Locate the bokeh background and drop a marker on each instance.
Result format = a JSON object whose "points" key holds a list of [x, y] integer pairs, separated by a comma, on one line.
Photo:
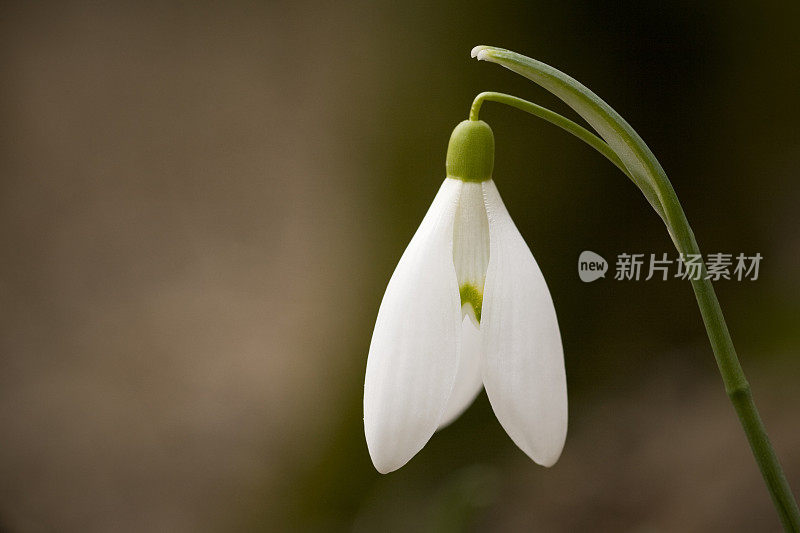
{"points": [[201, 205]]}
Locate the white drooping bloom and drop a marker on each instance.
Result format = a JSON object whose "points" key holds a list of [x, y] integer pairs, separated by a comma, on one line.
{"points": [[467, 307]]}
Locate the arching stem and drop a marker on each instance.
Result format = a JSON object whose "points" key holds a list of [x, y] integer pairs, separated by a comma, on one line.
{"points": [[553, 118], [634, 158]]}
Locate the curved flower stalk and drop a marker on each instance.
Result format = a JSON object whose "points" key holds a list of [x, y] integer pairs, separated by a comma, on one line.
{"points": [[467, 307], [639, 164]]}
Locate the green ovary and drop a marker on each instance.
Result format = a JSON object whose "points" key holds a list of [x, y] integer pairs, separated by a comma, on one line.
{"points": [[473, 296]]}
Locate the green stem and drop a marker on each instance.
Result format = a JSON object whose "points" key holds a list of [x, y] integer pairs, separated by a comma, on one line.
{"points": [[639, 164], [553, 118], [736, 385]]}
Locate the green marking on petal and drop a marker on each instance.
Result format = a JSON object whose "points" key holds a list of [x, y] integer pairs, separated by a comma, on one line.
{"points": [[473, 296]]}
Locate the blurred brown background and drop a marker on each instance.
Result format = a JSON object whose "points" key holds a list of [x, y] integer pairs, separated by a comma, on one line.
{"points": [[201, 205]]}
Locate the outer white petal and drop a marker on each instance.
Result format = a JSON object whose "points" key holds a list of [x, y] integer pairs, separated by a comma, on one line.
{"points": [[469, 380], [523, 369], [413, 356]]}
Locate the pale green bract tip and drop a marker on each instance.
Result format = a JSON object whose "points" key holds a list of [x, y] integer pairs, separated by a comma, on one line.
{"points": [[477, 50]]}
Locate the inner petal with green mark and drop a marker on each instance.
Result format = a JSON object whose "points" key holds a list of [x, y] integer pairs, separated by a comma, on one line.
{"points": [[471, 249], [471, 301]]}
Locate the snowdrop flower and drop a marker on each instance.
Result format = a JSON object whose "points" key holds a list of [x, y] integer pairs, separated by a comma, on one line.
{"points": [[467, 307]]}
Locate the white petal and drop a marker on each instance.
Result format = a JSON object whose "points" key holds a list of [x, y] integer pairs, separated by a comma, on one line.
{"points": [[413, 356], [471, 237], [469, 380], [523, 369]]}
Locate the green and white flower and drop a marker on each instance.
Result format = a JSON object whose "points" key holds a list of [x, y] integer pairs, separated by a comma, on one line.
{"points": [[467, 307]]}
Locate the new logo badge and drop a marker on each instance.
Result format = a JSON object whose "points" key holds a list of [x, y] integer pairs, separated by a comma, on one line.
{"points": [[591, 266]]}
